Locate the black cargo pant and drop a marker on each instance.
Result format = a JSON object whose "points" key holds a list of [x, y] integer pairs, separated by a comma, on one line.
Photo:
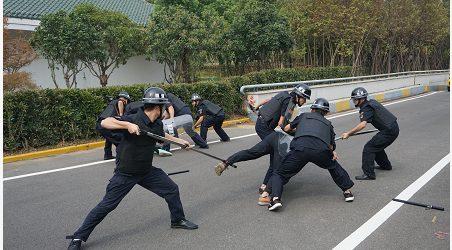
{"points": [[269, 145], [374, 150], [297, 158]]}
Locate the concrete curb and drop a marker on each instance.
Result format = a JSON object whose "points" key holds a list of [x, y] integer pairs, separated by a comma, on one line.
{"points": [[81, 147]]}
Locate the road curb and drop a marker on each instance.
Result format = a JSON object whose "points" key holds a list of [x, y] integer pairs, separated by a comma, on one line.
{"points": [[82, 147]]}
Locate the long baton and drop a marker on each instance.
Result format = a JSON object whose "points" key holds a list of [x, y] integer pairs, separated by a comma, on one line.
{"points": [[420, 204], [179, 172], [181, 145], [359, 133]]}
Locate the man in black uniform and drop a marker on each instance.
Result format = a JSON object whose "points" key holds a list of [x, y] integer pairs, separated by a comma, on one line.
{"points": [[114, 108], [272, 114], [134, 166], [214, 117], [177, 108], [132, 108], [313, 142], [371, 111], [276, 143]]}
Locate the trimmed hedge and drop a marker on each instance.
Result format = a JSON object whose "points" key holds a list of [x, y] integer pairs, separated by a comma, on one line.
{"points": [[49, 116]]}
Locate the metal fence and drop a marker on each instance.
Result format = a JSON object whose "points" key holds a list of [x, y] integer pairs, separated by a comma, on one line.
{"points": [[330, 81]]}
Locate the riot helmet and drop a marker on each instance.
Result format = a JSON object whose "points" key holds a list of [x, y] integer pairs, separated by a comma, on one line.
{"points": [[155, 95], [125, 95], [321, 103], [302, 90], [359, 93], [195, 97]]}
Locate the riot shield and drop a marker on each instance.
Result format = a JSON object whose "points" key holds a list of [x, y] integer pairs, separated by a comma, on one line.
{"points": [[170, 126], [291, 113], [284, 143]]}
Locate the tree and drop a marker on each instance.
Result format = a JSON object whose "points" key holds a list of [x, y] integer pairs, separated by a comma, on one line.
{"points": [[17, 53], [259, 34], [118, 38], [64, 40], [180, 40]]}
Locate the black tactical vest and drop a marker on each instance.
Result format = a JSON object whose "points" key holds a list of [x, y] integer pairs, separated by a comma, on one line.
{"points": [[111, 110], [271, 111], [137, 151], [314, 124], [383, 119], [133, 107], [211, 109], [177, 103]]}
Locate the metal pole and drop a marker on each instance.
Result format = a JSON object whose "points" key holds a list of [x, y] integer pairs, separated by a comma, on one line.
{"points": [[359, 133], [420, 204], [181, 145]]}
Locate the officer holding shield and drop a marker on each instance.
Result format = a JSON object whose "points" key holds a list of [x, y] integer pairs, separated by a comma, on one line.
{"points": [[277, 111]]}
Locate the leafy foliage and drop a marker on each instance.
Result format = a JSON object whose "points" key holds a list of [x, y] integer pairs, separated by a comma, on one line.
{"points": [[71, 114], [181, 41]]}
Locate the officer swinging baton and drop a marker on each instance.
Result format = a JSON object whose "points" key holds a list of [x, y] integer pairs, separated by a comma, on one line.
{"points": [[420, 204], [359, 133], [181, 145]]}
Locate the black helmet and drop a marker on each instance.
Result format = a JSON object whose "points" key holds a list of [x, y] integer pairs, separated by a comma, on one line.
{"points": [[125, 95], [302, 90], [195, 97], [358, 93], [155, 95], [321, 103]]}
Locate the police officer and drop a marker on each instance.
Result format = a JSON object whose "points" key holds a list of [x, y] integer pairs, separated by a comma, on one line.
{"points": [[313, 142], [276, 143], [114, 108], [371, 111], [272, 114], [210, 114], [134, 166], [132, 108], [177, 108]]}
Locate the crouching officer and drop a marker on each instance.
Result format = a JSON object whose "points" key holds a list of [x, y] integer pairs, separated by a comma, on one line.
{"points": [[277, 144], [273, 113], [313, 142], [214, 117], [177, 108], [134, 166], [371, 111], [114, 108]]}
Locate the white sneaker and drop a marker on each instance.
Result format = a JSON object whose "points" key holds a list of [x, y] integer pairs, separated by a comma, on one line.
{"points": [[164, 153]]}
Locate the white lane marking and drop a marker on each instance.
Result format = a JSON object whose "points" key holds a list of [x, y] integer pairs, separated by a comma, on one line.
{"points": [[56, 170], [95, 163], [379, 218], [239, 137]]}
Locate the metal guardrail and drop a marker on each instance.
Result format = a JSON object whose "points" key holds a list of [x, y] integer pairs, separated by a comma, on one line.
{"points": [[346, 79]]}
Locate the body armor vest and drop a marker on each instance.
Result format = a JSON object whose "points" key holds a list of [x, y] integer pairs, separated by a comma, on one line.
{"points": [[314, 124], [110, 110], [177, 103], [211, 109], [137, 151], [383, 119], [271, 111], [133, 107]]}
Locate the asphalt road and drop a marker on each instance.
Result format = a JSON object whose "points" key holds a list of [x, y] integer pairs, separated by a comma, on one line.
{"points": [[40, 210]]}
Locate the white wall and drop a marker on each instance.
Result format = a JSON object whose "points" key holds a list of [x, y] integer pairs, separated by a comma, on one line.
{"points": [[137, 70]]}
